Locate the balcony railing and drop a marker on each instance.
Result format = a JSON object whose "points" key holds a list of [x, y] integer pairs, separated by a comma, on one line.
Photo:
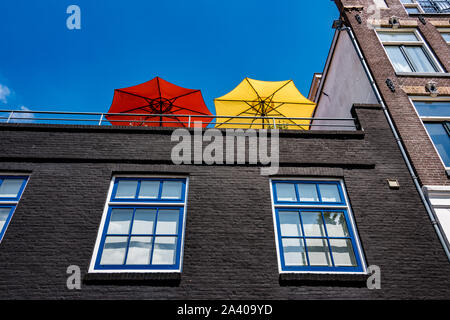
{"points": [[435, 6], [100, 119]]}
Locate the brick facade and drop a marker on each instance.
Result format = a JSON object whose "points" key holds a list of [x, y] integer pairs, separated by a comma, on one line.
{"points": [[229, 248], [420, 149]]}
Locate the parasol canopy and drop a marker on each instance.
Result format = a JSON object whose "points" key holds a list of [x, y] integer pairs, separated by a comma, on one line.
{"points": [[255, 98], [159, 104]]}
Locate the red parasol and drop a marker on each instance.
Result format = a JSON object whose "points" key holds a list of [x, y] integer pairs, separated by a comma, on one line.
{"points": [[157, 98]]}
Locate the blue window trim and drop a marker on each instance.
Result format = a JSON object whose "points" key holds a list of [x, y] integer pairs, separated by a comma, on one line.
{"points": [[159, 199], [25, 179], [8, 219], [179, 236], [298, 202], [318, 206], [333, 268]]}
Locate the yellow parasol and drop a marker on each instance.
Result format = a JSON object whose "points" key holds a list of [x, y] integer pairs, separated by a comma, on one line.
{"points": [[271, 99]]}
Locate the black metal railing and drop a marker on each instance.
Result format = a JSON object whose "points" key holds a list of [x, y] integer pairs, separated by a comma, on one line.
{"points": [[133, 119]]}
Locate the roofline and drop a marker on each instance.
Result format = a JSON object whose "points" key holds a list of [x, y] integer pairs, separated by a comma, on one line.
{"points": [[326, 68]]}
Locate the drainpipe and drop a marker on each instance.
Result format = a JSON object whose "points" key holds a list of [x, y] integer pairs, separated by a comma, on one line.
{"points": [[430, 212]]}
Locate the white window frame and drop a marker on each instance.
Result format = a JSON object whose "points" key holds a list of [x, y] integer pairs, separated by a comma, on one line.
{"points": [[431, 119], [346, 207], [13, 203], [420, 42], [412, 5], [416, 4], [105, 213]]}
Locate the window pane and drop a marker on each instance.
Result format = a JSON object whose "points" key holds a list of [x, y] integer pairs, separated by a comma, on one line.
{"points": [[419, 59], [318, 252], [446, 36], [294, 252], [165, 250], [172, 190], [149, 190], [433, 108], [139, 250], [329, 193], [4, 214], [336, 224], [313, 224], [308, 192], [144, 220], [398, 60], [441, 140], [290, 223], [119, 222], [10, 188], [126, 189], [343, 254], [397, 36], [286, 192], [114, 250], [412, 10], [167, 221]]}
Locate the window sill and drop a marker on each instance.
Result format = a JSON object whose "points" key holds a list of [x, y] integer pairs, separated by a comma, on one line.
{"points": [[171, 279], [321, 279], [424, 74], [429, 14]]}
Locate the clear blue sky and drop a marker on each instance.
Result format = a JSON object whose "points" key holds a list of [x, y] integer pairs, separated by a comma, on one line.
{"points": [[199, 44]]}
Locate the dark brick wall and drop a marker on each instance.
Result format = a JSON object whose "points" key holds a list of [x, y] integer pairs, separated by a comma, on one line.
{"points": [[420, 149], [229, 246]]}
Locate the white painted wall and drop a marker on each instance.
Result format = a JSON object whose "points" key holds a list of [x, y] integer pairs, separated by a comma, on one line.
{"points": [[345, 83], [439, 199]]}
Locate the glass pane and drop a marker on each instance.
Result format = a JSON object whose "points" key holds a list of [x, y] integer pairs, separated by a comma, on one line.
{"points": [[336, 224], [294, 252], [165, 250], [114, 250], [441, 140], [313, 224], [419, 59], [397, 59], [433, 108], [446, 36], [149, 190], [290, 223], [412, 10], [139, 250], [10, 188], [343, 254], [329, 193], [167, 221], [406, 1], [119, 222], [397, 36], [308, 192], [318, 252], [172, 190], [4, 214], [144, 220], [285, 192], [126, 189]]}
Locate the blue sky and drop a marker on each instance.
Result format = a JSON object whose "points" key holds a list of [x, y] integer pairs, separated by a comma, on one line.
{"points": [[199, 44]]}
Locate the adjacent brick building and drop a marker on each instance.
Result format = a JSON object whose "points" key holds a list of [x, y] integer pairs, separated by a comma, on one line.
{"points": [[230, 243], [396, 53]]}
